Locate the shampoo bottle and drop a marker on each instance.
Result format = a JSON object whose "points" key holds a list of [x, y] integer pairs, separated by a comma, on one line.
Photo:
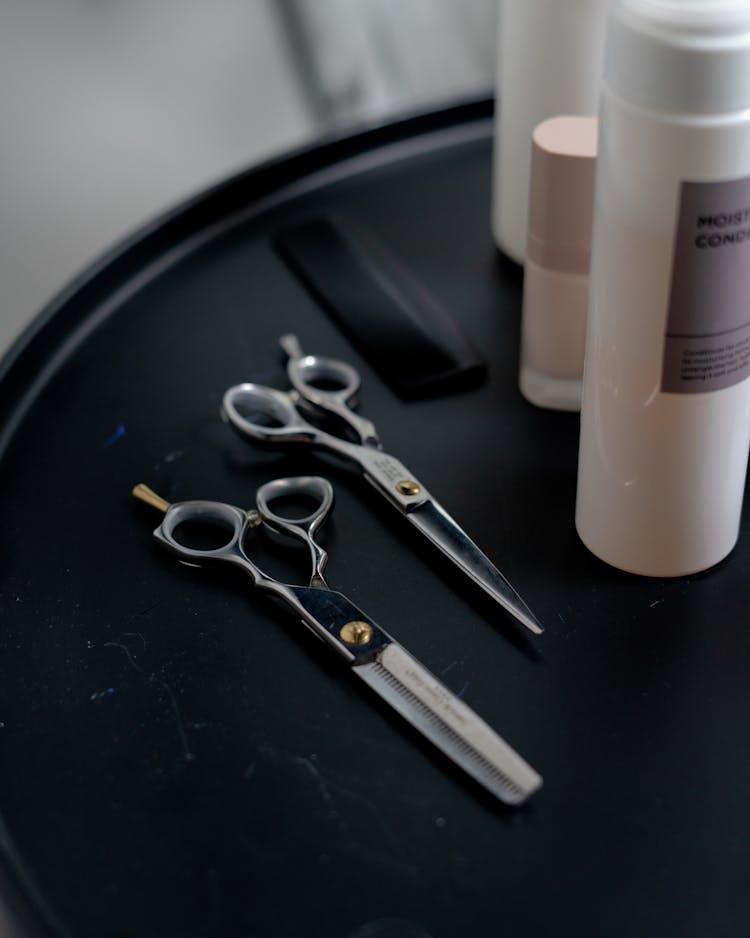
{"points": [[665, 423], [549, 61]]}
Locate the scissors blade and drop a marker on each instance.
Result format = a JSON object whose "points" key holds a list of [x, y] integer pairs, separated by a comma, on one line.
{"points": [[449, 723], [438, 526]]}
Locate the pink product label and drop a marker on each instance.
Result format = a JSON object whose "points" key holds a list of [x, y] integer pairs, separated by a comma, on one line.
{"points": [[707, 343]]}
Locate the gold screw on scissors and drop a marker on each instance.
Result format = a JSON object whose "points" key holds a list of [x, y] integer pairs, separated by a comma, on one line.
{"points": [[356, 633], [408, 487]]}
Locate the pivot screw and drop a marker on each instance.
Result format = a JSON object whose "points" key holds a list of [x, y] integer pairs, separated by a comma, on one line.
{"points": [[408, 487], [356, 633]]}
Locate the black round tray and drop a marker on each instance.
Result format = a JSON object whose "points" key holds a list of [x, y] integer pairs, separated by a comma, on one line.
{"points": [[180, 758]]}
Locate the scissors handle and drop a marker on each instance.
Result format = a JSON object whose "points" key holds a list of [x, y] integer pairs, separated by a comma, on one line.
{"points": [[270, 417], [223, 519], [328, 614], [234, 522], [302, 528], [328, 385], [266, 415]]}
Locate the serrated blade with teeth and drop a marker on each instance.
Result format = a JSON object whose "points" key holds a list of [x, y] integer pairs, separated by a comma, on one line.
{"points": [[449, 723]]}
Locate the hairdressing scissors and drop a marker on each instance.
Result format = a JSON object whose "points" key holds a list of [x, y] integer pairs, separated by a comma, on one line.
{"points": [[327, 387], [382, 663]]}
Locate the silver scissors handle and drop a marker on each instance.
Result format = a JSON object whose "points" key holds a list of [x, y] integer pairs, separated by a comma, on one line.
{"points": [[328, 385], [302, 528], [328, 614], [268, 416], [232, 521], [271, 417]]}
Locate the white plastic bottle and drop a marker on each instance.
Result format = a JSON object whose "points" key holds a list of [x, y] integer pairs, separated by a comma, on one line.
{"points": [[549, 62], [665, 424]]}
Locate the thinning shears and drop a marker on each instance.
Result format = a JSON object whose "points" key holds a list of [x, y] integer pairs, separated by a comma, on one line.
{"points": [[382, 663], [327, 387]]}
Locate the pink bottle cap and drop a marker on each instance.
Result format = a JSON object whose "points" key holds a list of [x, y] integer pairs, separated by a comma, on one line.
{"points": [[561, 194]]}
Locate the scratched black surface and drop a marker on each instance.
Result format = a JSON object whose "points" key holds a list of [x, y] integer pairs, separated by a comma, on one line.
{"points": [[180, 758]]}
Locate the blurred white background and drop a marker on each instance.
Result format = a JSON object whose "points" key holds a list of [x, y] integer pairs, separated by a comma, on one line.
{"points": [[112, 110]]}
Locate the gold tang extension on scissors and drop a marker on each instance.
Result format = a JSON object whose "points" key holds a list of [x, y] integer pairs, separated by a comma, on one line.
{"points": [[372, 654], [273, 417]]}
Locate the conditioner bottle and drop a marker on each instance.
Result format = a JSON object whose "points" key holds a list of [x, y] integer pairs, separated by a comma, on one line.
{"points": [[665, 423]]}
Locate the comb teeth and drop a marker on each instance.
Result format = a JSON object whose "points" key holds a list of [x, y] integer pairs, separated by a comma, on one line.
{"points": [[452, 726]]}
